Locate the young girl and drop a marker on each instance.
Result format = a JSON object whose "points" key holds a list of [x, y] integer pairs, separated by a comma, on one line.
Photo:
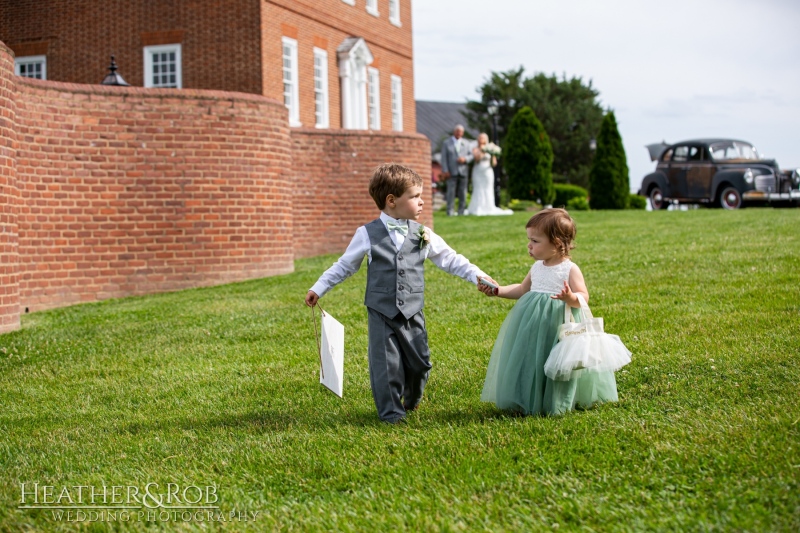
{"points": [[515, 378]]}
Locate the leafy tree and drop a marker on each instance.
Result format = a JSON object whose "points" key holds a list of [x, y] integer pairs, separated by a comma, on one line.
{"points": [[609, 187], [568, 108], [529, 158]]}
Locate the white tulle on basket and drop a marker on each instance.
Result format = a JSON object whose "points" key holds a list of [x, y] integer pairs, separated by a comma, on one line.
{"points": [[584, 347]]}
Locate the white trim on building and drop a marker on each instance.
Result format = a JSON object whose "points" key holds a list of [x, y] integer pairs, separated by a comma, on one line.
{"points": [[162, 66], [372, 7], [321, 98], [354, 57], [31, 67], [394, 12], [374, 98], [397, 103], [291, 84]]}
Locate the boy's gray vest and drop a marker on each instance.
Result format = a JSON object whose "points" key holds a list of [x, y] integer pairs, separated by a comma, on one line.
{"points": [[395, 278]]}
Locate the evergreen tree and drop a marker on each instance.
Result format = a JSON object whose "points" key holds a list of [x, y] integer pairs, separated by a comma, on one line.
{"points": [[569, 108], [609, 186], [529, 159]]}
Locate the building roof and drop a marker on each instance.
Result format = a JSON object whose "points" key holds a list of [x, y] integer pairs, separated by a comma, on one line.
{"points": [[435, 120]]}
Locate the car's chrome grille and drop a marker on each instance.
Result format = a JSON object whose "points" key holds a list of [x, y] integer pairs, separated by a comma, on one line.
{"points": [[766, 183]]}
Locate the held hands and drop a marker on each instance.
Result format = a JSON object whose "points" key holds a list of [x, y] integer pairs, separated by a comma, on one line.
{"points": [[311, 298], [488, 290]]}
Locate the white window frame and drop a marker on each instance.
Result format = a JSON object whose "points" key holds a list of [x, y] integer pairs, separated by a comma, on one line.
{"points": [[374, 98], [394, 12], [353, 63], [397, 103], [372, 7], [294, 97], [148, 64], [351, 2], [322, 120], [31, 60]]}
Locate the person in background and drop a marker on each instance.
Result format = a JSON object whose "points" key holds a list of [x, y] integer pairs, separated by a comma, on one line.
{"points": [[456, 155]]}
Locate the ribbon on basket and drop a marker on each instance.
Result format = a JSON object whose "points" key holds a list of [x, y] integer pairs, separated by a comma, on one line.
{"points": [[584, 347]]}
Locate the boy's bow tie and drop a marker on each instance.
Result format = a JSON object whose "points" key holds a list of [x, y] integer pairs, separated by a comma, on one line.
{"points": [[400, 228]]}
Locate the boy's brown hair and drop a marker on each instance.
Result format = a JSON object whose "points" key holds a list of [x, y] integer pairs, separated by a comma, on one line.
{"points": [[391, 178], [558, 226]]}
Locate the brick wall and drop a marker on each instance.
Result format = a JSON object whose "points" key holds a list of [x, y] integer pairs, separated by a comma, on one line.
{"points": [[130, 191], [9, 197], [231, 46], [220, 40], [115, 191], [331, 170]]}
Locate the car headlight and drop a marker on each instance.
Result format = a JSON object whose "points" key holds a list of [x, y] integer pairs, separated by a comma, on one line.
{"points": [[748, 176]]}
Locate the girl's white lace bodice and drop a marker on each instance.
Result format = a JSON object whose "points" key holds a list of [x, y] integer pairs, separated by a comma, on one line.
{"points": [[549, 279]]}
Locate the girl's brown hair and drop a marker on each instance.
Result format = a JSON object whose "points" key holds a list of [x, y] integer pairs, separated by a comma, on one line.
{"points": [[558, 226]]}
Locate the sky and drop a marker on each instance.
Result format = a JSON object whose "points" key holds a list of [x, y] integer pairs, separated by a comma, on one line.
{"points": [[670, 71]]}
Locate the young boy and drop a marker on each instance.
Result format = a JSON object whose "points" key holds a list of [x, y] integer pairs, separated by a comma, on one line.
{"points": [[396, 247]]}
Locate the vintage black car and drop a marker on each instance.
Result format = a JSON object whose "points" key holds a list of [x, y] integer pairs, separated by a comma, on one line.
{"points": [[716, 172]]}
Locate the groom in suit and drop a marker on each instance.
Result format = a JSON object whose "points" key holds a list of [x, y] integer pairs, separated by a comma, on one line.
{"points": [[456, 154]]}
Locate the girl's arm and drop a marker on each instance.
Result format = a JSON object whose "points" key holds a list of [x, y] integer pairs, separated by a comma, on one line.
{"points": [[512, 292], [576, 285]]}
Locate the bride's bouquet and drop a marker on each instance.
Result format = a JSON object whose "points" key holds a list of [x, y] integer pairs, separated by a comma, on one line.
{"points": [[491, 149]]}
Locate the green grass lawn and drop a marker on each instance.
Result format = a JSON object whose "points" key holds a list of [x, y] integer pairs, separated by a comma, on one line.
{"points": [[219, 386]]}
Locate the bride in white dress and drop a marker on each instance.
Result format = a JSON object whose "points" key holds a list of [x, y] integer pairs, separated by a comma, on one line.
{"points": [[482, 201]]}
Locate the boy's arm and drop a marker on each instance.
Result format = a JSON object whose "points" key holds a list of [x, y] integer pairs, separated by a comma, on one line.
{"points": [[451, 262], [512, 292], [346, 266]]}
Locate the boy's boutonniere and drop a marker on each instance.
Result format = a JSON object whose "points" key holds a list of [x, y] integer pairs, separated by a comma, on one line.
{"points": [[424, 236]]}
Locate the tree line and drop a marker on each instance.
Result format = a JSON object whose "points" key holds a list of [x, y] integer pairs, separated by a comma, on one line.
{"points": [[553, 131]]}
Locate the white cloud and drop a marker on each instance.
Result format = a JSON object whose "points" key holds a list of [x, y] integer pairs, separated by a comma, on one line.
{"points": [[677, 70]]}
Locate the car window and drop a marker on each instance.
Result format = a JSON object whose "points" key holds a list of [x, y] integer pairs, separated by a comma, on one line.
{"points": [[733, 150], [681, 153], [667, 155], [695, 153]]}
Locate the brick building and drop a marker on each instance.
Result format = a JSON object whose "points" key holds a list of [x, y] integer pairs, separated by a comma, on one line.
{"points": [[334, 63], [113, 191]]}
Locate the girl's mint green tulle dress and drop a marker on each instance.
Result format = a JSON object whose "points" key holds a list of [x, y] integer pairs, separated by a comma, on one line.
{"points": [[515, 378]]}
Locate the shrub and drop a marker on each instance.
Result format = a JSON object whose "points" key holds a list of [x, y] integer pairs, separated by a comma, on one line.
{"points": [[521, 205], [637, 202], [579, 203], [566, 192], [608, 180], [528, 159]]}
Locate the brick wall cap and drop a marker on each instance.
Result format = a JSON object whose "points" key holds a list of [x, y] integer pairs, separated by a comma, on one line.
{"points": [[6, 50], [111, 90]]}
